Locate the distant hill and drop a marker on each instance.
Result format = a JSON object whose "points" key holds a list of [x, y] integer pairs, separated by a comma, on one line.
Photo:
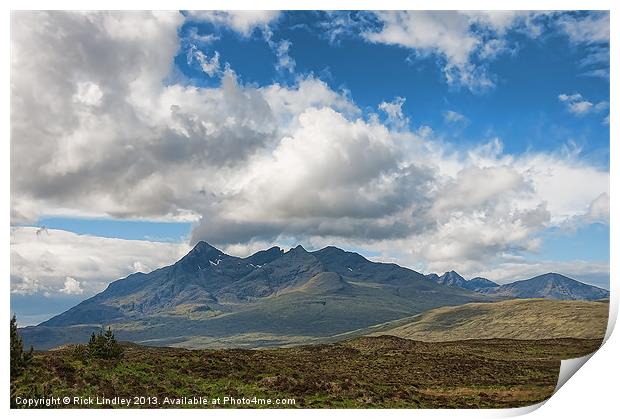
{"points": [[272, 298], [512, 319], [550, 285]]}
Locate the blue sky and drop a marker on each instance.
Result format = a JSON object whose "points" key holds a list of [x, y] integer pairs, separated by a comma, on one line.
{"points": [[522, 109], [511, 109]]}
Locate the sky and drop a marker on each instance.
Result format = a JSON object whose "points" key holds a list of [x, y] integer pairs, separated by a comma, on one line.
{"points": [[473, 141]]}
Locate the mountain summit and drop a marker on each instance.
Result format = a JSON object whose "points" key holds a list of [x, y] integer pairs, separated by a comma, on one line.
{"points": [[453, 279]]}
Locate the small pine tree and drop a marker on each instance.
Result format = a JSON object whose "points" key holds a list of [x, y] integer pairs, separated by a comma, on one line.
{"points": [[112, 348], [104, 345], [19, 359]]}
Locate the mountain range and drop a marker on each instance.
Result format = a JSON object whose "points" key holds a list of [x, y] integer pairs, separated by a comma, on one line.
{"points": [[276, 298], [453, 279]]}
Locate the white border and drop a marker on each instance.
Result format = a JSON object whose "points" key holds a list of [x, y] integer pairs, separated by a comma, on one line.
{"points": [[593, 392]]}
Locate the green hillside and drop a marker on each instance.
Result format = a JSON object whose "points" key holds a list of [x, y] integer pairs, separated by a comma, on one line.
{"points": [[512, 319]]}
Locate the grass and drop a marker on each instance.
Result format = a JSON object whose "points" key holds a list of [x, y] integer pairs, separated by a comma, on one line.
{"points": [[367, 372], [512, 319]]}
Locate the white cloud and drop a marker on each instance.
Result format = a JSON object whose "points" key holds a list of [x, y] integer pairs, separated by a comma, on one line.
{"points": [[491, 49], [592, 28], [474, 187], [72, 287], [256, 164], [578, 105], [69, 263], [241, 21], [140, 267], [24, 285], [456, 37], [446, 34], [201, 38], [285, 61], [287, 103], [599, 209], [466, 41], [88, 93], [580, 108], [210, 66], [394, 112], [453, 116]]}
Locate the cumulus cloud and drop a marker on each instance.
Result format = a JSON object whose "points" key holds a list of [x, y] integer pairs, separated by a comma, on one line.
{"points": [[102, 135], [67, 263], [242, 21], [71, 287], [578, 105], [446, 34], [474, 187], [343, 178]]}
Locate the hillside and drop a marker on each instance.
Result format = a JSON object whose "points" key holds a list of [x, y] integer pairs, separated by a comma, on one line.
{"points": [[512, 319], [379, 372]]}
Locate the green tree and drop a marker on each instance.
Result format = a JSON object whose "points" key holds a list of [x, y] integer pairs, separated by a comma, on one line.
{"points": [[19, 359], [104, 345]]}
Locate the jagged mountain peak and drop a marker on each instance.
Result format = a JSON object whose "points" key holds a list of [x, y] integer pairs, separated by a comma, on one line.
{"points": [[201, 256], [432, 277], [203, 247], [452, 274], [451, 278], [265, 256], [298, 249], [454, 279]]}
